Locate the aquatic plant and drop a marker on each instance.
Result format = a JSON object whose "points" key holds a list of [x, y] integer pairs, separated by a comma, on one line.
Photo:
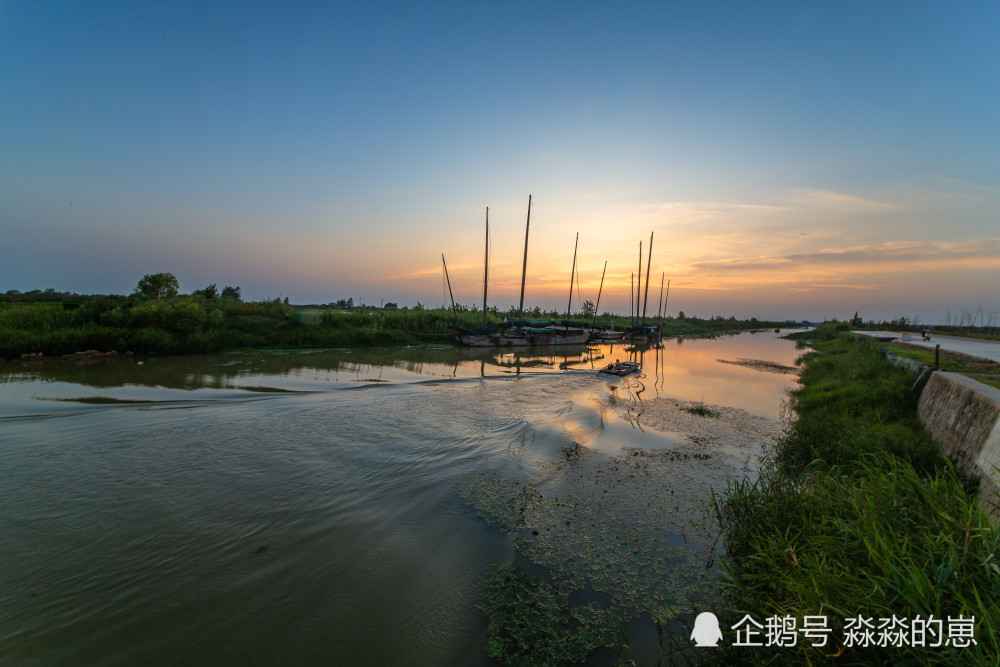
{"points": [[701, 410], [532, 622], [629, 534]]}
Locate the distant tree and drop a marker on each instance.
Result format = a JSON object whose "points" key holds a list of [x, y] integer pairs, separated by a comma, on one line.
{"points": [[157, 285], [588, 308], [680, 315], [231, 292], [286, 300], [391, 305], [209, 292]]}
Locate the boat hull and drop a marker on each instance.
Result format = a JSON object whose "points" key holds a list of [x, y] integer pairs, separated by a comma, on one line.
{"points": [[523, 340], [475, 340]]}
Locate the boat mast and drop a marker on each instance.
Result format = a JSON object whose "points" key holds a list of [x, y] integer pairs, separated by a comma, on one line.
{"points": [[659, 302], [524, 265], [665, 299], [649, 260], [631, 295], [638, 287], [486, 267], [571, 276], [453, 309], [599, 290]]}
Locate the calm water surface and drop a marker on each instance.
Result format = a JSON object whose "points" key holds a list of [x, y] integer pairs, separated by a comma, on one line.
{"points": [[297, 507]]}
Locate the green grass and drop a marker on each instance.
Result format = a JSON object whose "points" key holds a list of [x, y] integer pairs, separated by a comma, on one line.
{"points": [[702, 411], [198, 324], [983, 370], [856, 512]]}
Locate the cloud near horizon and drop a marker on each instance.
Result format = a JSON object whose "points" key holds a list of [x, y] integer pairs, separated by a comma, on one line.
{"points": [[884, 258]]}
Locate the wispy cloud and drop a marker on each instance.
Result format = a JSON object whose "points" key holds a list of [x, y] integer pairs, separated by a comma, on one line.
{"points": [[885, 257], [838, 201]]}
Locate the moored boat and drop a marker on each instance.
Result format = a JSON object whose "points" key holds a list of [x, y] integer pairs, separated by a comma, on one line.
{"points": [[520, 333], [622, 368]]}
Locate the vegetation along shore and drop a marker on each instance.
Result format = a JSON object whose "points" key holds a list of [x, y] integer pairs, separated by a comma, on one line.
{"points": [[155, 319], [856, 513]]}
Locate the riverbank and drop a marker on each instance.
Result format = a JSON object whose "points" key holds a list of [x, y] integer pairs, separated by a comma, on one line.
{"points": [[858, 522], [195, 324]]}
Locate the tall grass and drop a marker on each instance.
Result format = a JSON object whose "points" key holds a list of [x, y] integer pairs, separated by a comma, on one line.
{"points": [[856, 512]]}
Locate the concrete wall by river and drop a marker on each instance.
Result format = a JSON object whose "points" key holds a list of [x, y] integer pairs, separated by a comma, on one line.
{"points": [[963, 416]]}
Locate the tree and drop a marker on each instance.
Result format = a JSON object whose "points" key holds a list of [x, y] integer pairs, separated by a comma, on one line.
{"points": [[588, 307], [157, 286], [209, 292], [231, 292]]}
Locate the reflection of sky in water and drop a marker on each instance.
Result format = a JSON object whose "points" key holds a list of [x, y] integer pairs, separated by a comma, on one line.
{"points": [[684, 369], [620, 433], [227, 497]]}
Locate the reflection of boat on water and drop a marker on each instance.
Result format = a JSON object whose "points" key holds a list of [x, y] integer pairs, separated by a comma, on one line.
{"points": [[622, 368]]}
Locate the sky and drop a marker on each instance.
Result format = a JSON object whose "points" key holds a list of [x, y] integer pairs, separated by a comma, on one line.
{"points": [[793, 160]]}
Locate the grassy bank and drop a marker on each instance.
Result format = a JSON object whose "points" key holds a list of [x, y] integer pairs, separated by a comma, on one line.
{"points": [[197, 323], [983, 370], [856, 513]]}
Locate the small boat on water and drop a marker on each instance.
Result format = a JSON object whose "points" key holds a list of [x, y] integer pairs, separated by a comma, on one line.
{"points": [[622, 368]]}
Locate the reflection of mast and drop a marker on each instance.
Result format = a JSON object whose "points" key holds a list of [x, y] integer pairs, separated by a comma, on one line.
{"points": [[449, 288], [486, 267], [649, 260], [524, 265]]}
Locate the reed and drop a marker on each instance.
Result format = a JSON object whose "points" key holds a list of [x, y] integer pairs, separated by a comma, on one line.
{"points": [[856, 512]]}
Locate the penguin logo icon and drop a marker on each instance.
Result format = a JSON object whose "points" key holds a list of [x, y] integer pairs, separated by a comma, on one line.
{"points": [[706, 630]]}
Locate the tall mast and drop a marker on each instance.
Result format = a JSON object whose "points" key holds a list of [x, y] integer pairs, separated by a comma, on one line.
{"points": [[453, 309], [659, 302], [665, 299], [599, 290], [524, 265], [631, 296], [649, 260], [638, 286], [486, 267], [571, 276]]}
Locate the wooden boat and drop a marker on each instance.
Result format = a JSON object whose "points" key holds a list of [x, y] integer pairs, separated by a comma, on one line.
{"points": [[607, 336], [519, 333], [622, 368]]}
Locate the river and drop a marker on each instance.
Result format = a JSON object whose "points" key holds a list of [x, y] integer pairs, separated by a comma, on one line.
{"points": [[306, 507]]}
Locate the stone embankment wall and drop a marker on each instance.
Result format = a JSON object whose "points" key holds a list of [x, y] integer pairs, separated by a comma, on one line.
{"points": [[963, 416]]}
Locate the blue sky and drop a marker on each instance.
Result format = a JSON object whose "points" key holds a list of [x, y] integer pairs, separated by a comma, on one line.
{"points": [[796, 160]]}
